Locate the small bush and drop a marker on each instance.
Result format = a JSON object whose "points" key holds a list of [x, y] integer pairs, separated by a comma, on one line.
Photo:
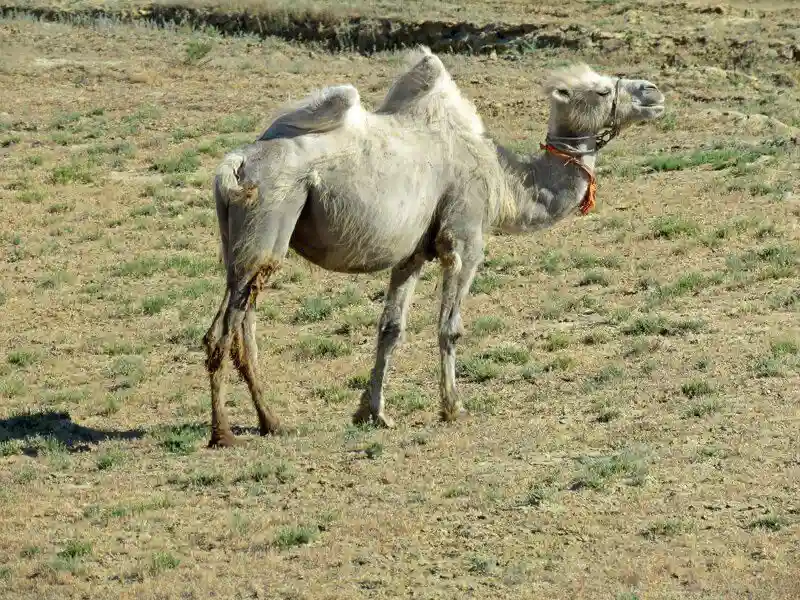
{"points": [[163, 561], [322, 347], [289, 537]]}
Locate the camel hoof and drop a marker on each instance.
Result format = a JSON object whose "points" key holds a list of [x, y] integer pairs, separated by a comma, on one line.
{"points": [[224, 440], [363, 416], [384, 421], [454, 415], [275, 429]]}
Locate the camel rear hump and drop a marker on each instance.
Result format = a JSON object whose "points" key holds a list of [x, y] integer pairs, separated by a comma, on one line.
{"points": [[322, 111]]}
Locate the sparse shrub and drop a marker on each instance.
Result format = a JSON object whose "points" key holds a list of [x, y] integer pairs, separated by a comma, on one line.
{"points": [[21, 358], [110, 459], [607, 374], [669, 228], [665, 528], [770, 522], [408, 401], [358, 382], [596, 337], [477, 369], [129, 370], [180, 439], [163, 561], [333, 394], [597, 471], [456, 492], [30, 551], [373, 450], [313, 309], [196, 50], [562, 362], [696, 388], [557, 341], [237, 123], [298, 535], [482, 565], [541, 491], [75, 549], [11, 447], [72, 173], [659, 325], [187, 162], [488, 324], [594, 277], [704, 408], [154, 304], [485, 283], [321, 347], [507, 354], [607, 414], [586, 260], [482, 404], [356, 319]]}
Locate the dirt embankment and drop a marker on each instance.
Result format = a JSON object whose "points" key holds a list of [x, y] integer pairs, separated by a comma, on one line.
{"points": [[368, 34]]}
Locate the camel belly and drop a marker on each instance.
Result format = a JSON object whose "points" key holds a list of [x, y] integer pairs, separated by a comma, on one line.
{"points": [[358, 239]]}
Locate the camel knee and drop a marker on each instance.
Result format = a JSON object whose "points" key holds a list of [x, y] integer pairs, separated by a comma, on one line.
{"points": [[215, 356], [238, 350], [449, 257], [448, 338], [390, 327], [450, 331]]}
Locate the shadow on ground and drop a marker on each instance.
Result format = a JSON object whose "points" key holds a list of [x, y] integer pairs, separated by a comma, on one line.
{"points": [[36, 430]]}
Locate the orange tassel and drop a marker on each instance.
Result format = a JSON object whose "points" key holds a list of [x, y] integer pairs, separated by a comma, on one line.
{"points": [[588, 201]]}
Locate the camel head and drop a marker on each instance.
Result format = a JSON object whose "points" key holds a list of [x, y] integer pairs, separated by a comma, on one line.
{"points": [[584, 102]]}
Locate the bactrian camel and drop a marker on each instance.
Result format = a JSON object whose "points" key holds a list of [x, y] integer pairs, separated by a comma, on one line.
{"points": [[418, 179]]}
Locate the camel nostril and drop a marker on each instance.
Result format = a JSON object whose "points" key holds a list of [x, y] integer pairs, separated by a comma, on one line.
{"points": [[648, 87]]}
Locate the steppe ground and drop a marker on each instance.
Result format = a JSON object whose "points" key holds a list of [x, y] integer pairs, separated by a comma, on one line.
{"points": [[632, 375]]}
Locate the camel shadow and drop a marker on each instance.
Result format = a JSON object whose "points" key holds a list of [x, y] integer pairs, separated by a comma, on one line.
{"points": [[37, 430]]}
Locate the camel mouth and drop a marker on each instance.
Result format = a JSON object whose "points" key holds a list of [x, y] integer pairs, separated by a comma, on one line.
{"points": [[656, 109]]}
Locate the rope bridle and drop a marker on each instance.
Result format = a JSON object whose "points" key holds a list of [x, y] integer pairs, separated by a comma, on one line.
{"points": [[562, 146]]}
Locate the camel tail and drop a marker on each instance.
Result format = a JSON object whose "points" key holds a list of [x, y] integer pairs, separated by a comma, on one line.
{"points": [[227, 189]]}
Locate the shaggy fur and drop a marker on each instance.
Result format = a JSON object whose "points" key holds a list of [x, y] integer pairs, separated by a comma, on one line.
{"points": [[418, 179]]}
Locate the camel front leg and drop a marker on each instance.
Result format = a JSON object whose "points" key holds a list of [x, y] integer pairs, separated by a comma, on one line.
{"points": [[390, 332], [459, 265]]}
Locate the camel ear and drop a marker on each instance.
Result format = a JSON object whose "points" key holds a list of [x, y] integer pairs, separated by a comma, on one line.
{"points": [[561, 95]]}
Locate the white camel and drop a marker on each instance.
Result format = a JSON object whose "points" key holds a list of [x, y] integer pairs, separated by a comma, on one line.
{"points": [[358, 191]]}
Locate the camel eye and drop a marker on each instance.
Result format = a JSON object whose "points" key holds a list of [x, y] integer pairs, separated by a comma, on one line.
{"points": [[603, 93]]}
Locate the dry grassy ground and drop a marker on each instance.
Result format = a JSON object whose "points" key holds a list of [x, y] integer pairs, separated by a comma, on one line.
{"points": [[633, 375]]}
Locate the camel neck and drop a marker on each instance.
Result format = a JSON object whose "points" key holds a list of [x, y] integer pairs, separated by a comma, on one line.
{"points": [[547, 187], [580, 145]]}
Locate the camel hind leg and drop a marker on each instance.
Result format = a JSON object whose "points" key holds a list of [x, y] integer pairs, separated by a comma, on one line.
{"points": [[232, 333], [218, 341], [245, 355]]}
